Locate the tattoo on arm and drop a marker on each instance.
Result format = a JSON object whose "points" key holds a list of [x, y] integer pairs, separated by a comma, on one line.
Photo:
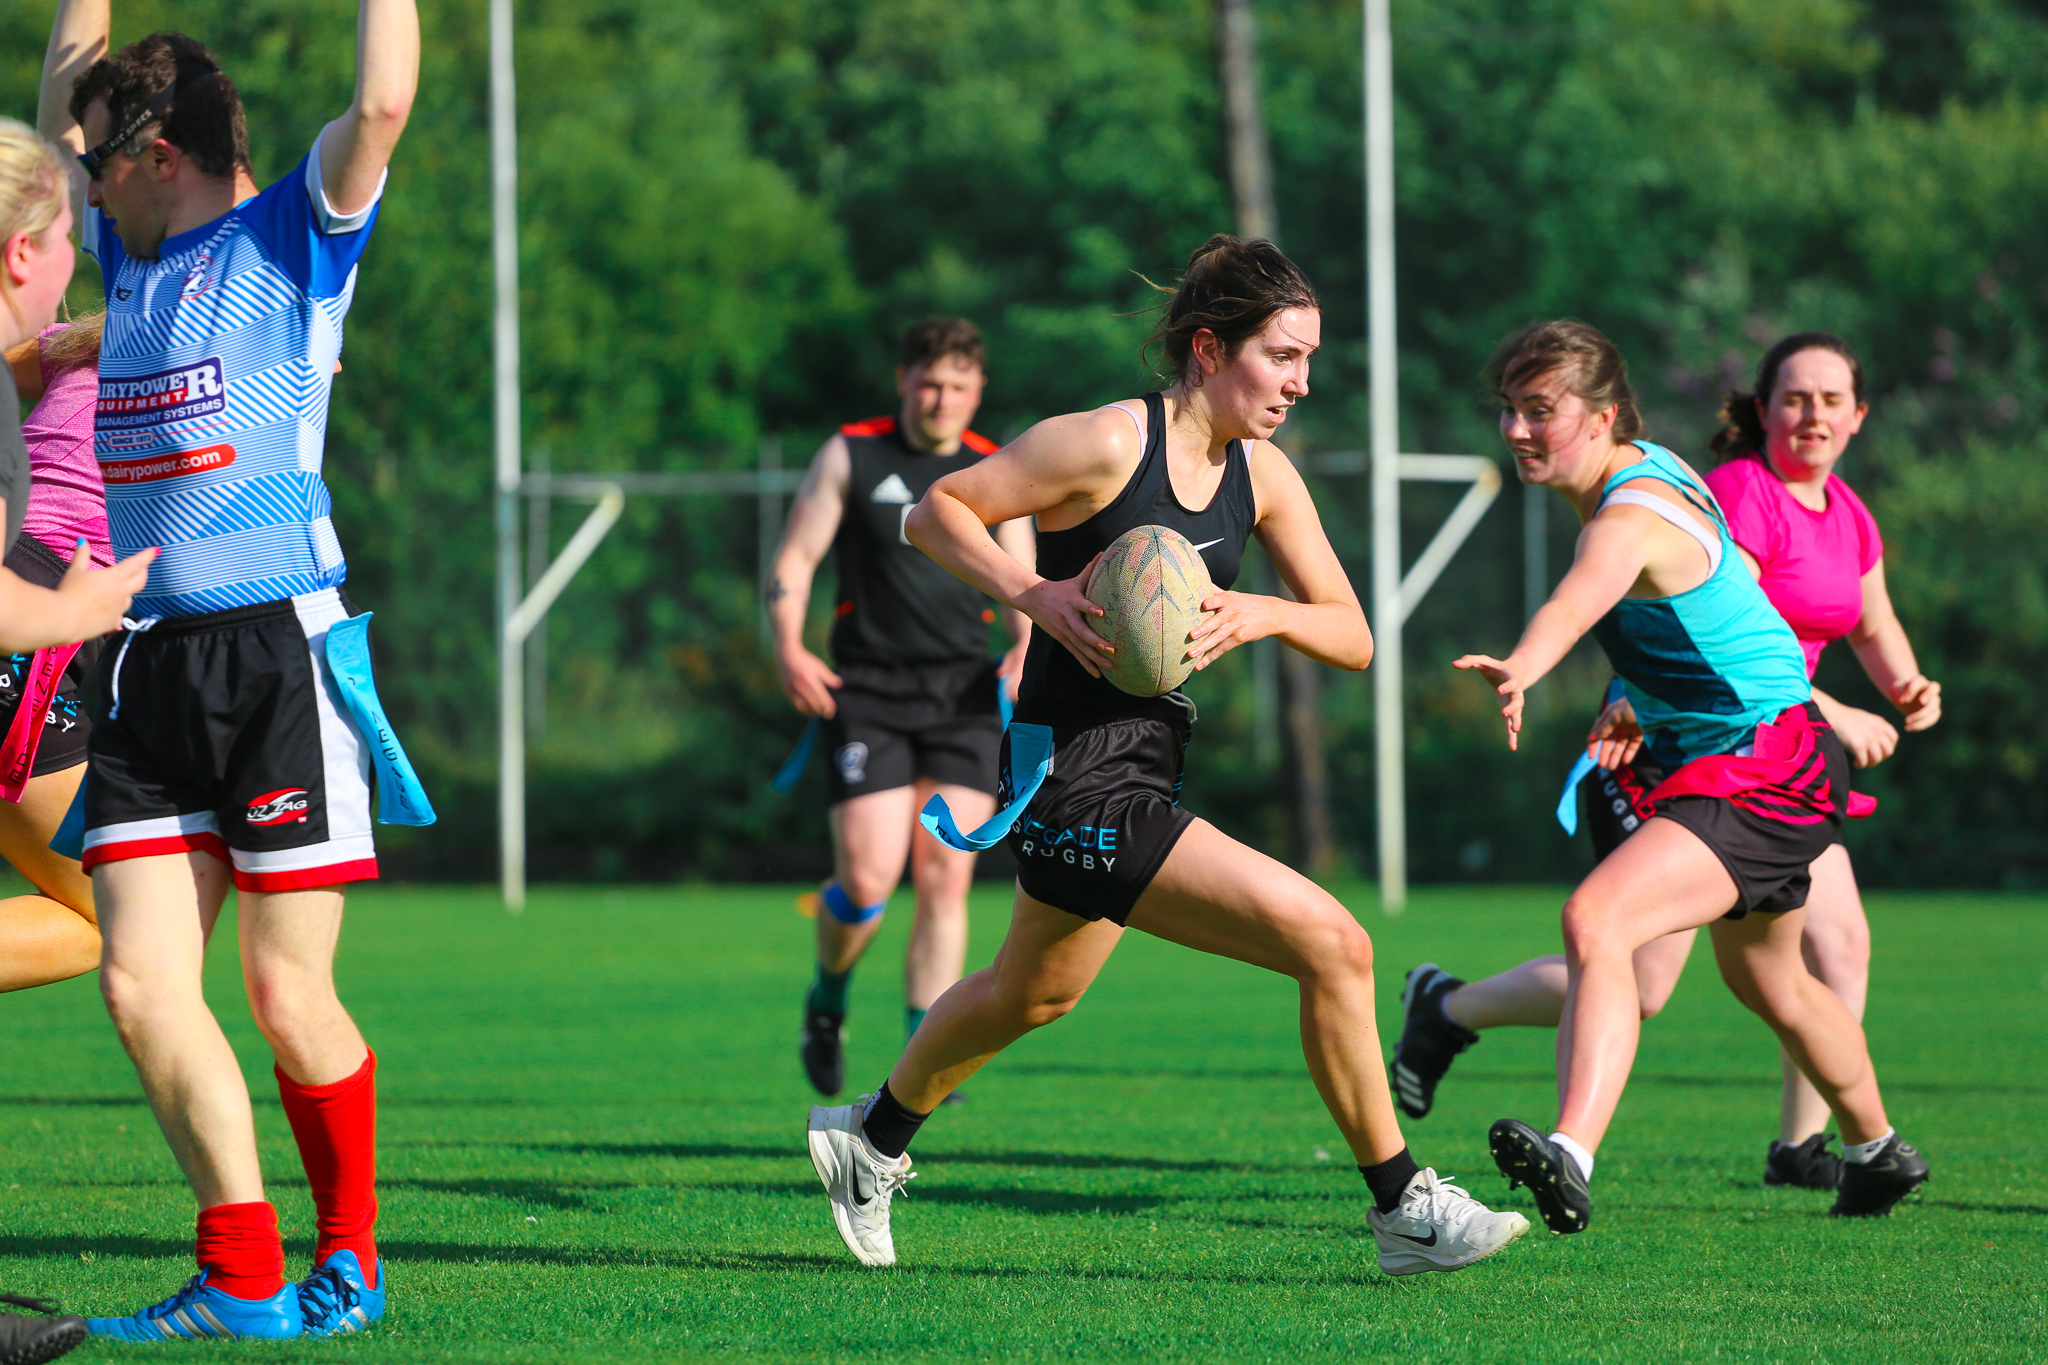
{"points": [[776, 592]]}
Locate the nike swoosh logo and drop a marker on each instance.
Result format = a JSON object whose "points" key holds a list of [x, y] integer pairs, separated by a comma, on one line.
{"points": [[1417, 1240], [863, 1188], [1207, 543]]}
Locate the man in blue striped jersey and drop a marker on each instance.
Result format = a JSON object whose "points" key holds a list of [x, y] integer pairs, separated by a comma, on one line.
{"points": [[225, 749]]}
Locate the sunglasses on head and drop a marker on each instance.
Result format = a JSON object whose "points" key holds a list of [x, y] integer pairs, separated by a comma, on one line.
{"points": [[94, 158]]}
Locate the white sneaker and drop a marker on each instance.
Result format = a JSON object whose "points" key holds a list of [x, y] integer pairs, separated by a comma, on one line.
{"points": [[1438, 1226], [859, 1182]]}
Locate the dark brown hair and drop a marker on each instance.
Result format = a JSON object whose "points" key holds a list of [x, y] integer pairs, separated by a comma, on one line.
{"points": [[205, 119], [1592, 368], [1232, 288], [1742, 427], [936, 338]]}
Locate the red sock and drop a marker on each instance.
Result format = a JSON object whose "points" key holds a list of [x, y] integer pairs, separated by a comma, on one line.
{"points": [[240, 1251], [336, 1126]]}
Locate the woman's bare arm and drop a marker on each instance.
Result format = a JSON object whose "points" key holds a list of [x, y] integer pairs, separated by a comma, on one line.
{"points": [[1887, 656], [1325, 620]]}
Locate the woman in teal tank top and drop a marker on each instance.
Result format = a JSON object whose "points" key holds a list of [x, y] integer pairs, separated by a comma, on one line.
{"points": [[1758, 788]]}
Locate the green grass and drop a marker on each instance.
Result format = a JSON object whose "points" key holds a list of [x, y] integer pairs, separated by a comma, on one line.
{"points": [[592, 1151]]}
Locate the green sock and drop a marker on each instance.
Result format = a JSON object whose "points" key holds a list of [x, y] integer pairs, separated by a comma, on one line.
{"points": [[912, 1017], [828, 992]]}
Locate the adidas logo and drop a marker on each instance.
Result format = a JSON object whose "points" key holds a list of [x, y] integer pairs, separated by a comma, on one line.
{"points": [[892, 489]]}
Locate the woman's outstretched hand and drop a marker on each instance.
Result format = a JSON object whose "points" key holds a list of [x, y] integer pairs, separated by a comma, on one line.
{"points": [[1616, 736], [1060, 606], [1506, 677]]}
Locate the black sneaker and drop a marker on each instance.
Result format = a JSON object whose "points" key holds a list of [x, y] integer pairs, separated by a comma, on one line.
{"points": [[1870, 1188], [824, 1057], [31, 1341], [1428, 1040], [1526, 1157], [1807, 1165]]}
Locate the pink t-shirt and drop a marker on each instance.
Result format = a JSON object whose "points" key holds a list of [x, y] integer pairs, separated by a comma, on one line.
{"points": [[1813, 562], [66, 499]]}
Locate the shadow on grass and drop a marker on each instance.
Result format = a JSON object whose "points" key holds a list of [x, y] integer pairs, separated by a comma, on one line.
{"points": [[403, 1252], [2022, 1210], [673, 1151], [1763, 1081], [1178, 1073], [1082, 1161]]}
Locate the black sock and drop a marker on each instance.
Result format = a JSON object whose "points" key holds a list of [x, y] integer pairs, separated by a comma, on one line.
{"points": [[889, 1126], [1388, 1179]]}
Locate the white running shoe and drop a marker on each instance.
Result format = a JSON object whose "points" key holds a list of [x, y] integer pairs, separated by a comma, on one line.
{"points": [[1438, 1226], [858, 1181]]}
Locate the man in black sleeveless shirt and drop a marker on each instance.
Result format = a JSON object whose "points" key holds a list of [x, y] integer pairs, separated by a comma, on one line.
{"points": [[912, 709]]}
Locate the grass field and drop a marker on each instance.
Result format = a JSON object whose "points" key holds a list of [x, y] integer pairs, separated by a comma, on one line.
{"points": [[592, 1151]]}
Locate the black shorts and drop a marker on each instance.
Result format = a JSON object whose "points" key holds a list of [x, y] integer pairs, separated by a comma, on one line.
{"points": [[1767, 841], [1614, 802], [66, 722], [1100, 828], [897, 723], [224, 734]]}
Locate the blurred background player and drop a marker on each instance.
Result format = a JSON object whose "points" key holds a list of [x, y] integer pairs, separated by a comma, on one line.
{"points": [[51, 936], [218, 748], [1238, 333], [1758, 785], [1817, 554], [909, 708]]}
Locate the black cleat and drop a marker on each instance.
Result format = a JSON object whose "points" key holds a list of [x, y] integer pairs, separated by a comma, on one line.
{"points": [[824, 1056], [1526, 1157], [1429, 1040], [1870, 1188], [1807, 1165], [31, 1341]]}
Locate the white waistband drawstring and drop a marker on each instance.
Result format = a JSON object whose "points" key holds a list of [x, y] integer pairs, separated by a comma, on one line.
{"points": [[132, 629]]}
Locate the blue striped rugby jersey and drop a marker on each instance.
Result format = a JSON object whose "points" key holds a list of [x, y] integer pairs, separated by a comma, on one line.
{"points": [[214, 379]]}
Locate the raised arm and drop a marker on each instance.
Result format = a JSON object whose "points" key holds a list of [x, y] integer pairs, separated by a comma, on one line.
{"points": [[78, 38], [1613, 550], [355, 148], [1324, 621], [813, 522]]}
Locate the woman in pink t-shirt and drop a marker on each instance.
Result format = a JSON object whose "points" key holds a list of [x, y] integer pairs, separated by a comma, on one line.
{"points": [[1816, 552], [52, 935]]}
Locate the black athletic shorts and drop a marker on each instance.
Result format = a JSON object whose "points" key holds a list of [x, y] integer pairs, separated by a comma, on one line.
{"points": [[897, 723], [224, 734], [66, 721], [1614, 802], [1767, 840], [1100, 828]]}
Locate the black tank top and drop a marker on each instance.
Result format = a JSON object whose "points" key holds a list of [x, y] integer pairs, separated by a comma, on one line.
{"points": [[1055, 689], [895, 605]]}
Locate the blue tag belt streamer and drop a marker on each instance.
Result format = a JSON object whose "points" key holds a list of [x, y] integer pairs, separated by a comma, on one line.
{"points": [[1567, 804], [1030, 759], [401, 800], [792, 770], [69, 840]]}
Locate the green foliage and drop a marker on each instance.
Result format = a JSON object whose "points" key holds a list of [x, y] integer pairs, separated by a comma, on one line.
{"points": [[590, 1150], [729, 209]]}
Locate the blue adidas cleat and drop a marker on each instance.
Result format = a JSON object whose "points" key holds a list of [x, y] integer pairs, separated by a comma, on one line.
{"points": [[335, 1299], [200, 1311]]}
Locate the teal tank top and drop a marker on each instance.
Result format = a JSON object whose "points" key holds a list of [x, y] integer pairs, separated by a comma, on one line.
{"points": [[1703, 668]]}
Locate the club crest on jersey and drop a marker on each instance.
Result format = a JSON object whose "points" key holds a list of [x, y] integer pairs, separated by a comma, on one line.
{"points": [[152, 400], [275, 808], [196, 278]]}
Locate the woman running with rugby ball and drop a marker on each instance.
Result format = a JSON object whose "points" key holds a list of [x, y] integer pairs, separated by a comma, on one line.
{"points": [[1819, 558], [1758, 785], [1238, 333]]}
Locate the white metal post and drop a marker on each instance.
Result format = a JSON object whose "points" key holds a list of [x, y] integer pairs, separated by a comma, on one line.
{"points": [[1385, 447], [505, 415]]}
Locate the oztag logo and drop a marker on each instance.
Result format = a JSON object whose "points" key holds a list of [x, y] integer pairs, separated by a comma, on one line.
{"points": [[274, 808], [852, 762], [168, 466]]}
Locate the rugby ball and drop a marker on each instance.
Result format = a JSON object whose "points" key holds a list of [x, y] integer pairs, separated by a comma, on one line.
{"points": [[1151, 583]]}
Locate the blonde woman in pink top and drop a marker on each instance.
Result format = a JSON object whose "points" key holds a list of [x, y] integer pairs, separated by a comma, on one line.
{"points": [[1816, 552], [52, 935]]}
